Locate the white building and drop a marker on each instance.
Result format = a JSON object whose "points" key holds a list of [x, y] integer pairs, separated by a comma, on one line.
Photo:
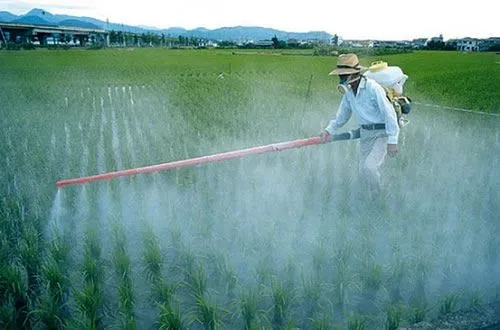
{"points": [[468, 45]]}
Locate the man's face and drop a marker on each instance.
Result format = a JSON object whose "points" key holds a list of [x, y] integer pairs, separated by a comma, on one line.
{"points": [[344, 78]]}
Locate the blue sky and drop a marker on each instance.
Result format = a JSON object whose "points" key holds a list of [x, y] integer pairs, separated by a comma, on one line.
{"points": [[361, 19]]}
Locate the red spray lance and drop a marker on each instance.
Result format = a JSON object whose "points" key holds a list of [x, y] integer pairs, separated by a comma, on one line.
{"points": [[354, 134]]}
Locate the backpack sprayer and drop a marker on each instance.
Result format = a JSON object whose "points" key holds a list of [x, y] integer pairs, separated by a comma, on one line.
{"points": [[391, 78]]}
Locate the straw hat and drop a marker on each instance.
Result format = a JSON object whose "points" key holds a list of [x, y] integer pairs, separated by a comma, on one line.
{"points": [[347, 64]]}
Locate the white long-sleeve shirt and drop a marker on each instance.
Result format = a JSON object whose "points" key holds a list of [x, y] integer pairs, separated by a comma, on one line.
{"points": [[370, 106]]}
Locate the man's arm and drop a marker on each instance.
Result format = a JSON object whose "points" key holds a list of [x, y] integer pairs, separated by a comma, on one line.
{"points": [[343, 115]]}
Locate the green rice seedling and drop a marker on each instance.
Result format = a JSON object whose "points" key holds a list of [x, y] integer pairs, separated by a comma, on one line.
{"points": [[248, 307], [475, 298], [170, 317], [418, 314], [127, 322], [393, 317], [264, 271], [206, 313], [224, 274], [319, 260], [89, 303], [121, 262], [321, 322], [356, 322], [448, 304], [163, 292], [312, 295], [7, 312], [343, 280], [92, 270], [186, 262], [175, 236], [421, 273], [397, 273], [153, 260], [55, 280], [49, 313], [371, 281], [29, 252], [59, 249], [14, 285], [289, 273], [90, 299], [126, 298], [122, 265], [196, 282], [282, 299]]}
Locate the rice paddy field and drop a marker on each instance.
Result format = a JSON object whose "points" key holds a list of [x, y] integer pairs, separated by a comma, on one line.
{"points": [[275, 241]]}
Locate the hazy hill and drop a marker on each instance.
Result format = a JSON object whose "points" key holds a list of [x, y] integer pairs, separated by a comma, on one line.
{"points": [[236, 33]]}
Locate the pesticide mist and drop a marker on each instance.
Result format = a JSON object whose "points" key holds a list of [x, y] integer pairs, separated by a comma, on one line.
{"points": [[270, 241]]}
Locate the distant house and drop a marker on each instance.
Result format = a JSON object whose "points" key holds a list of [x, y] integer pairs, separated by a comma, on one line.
{"points": [[263, 43], [435, 39], [490, 43], [336, 40], [391, 44], [468, 45], [418, 43], [359, 43]]}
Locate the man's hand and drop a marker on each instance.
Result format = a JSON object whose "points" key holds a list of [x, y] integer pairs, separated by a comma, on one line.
{"points": [[392, 149], [325, 136]]}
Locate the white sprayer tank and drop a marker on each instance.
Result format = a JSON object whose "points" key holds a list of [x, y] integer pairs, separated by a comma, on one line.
{"points": [[390, 77]]}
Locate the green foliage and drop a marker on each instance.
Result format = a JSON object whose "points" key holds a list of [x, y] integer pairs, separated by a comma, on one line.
{"points": [[356, 322], [167, 105], [394, 313], [418, 314], [89, 303], [207, 313], [248, 306], [282, 298], [448, 304], [170, 318], [153, 260]]}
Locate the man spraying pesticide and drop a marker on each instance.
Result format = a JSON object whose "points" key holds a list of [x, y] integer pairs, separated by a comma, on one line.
{"points": [[375, 100], [373, 105]]}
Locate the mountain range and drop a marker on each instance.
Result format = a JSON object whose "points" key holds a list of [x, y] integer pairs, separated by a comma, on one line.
{"points": [[236, 33]]}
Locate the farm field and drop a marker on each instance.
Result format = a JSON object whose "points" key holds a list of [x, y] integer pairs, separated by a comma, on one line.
{"points": [[281, 240]]}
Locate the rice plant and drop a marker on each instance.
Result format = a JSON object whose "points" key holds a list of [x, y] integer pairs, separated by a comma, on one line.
{"points": [[263, 212], [55, 279], [170, 317], [122, 265], [371, 281], [356, 322], [322, 322], [89, 303], [448, 304], [393, 318], [313, 295], [248, 307], [30, 252], [90, 300], [418, 314], [152, 256], [224, 274], [207, 313], [14, 288], [282, 298], [196, 282]]}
